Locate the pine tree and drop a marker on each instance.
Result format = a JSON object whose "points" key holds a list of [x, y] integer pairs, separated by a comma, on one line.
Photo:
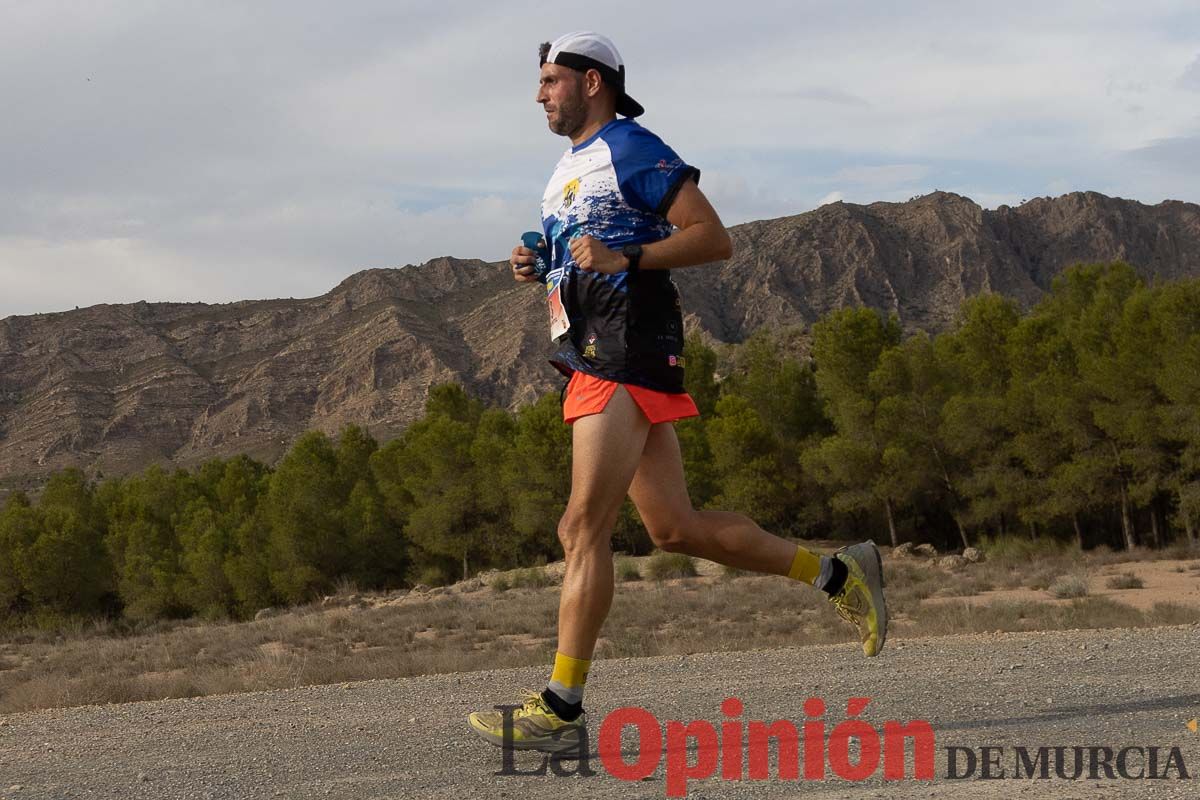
{"points": [[1064, 346], [1177, 377], [847, 346], [782, 392], [976, 427], [19, 529], [307, 549], [539, 476], [700, 382], [747, 462], [143, 544], [205, 544], [914, 384]]}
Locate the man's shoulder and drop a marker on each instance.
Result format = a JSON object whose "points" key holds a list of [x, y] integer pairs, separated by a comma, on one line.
{"points": [[625, 134], [634, 148]]}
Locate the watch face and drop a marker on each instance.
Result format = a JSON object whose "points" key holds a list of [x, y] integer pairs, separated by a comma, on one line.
{"points": [[632, 252]]}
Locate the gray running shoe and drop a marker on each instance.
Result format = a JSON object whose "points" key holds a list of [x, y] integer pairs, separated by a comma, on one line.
{"points": [[535, 726], [861, 600]]}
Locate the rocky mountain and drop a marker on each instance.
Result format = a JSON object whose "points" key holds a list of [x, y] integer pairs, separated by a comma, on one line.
{"points": [[114, 388]]}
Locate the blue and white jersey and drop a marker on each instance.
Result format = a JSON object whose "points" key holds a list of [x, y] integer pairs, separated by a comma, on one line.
{"points": [[617, 187]]}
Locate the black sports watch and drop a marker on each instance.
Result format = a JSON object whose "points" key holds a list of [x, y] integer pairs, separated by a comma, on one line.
{"points": [[633, 252]]}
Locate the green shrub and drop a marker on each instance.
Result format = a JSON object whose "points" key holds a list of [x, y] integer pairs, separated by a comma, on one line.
{"points": [[1041, 576], [1021, 548], [345, 586], [51, 620], [662, 566], [1173, 614], [1126, 580], [627, 570], [731, 572], [530, 578], [1069, 586], [432, 576], [501, 583]]}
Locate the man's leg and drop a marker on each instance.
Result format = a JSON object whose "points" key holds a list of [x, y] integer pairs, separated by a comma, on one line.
{"points": [[659, 491], [853, 577], [606, 450]]}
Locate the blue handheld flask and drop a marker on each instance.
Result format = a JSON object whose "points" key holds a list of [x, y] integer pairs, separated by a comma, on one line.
{"points": [[536, 241]]}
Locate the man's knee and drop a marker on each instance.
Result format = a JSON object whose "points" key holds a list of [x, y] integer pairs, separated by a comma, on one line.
{"points": [[670, 535], [580, 529]]}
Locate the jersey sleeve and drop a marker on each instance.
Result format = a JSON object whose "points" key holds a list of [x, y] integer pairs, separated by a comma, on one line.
{"points": [[649, 172]]}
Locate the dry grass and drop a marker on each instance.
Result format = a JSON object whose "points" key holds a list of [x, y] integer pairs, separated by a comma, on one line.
{"points": [[945, 619], [1069, 587], [473, 628], [307, 646], [528, 578], [1021, 549], [628, 570], [664, 566], [1126, 580], [531, 578]]}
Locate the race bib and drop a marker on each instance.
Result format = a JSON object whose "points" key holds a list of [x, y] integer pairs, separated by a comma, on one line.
{"points": [[559, 324]]}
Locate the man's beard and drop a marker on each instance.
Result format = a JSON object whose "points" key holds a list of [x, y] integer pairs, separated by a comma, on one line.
{"points": [[570, 116]]}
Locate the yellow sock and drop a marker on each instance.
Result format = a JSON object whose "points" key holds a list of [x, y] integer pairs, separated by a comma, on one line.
{"points": [[568, 677], [806, 566]]}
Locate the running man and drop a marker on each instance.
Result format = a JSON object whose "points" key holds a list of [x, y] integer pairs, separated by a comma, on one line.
{"points": [[622, 210]]}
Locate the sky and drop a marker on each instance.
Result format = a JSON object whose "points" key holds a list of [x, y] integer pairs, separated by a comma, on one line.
{"points": [[187, 151]]}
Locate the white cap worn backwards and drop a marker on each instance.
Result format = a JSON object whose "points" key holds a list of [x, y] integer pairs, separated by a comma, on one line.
{"points": [[584, 50]]}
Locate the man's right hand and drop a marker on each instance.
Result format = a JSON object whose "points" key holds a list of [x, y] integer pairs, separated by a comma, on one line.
{"points": [[522, 262]]}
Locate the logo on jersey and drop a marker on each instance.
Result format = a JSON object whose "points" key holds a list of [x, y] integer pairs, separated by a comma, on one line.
{"points": [[569, 193]]}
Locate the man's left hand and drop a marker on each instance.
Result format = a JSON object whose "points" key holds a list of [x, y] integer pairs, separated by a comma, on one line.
{"points": [[593, 256]]}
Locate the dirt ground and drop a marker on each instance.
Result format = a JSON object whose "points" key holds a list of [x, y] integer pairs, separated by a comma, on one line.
{"points": [[1164, 582], [408, 738]]}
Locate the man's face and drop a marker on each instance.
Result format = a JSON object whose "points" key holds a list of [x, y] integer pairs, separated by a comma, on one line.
{"points": [[561, 94]]}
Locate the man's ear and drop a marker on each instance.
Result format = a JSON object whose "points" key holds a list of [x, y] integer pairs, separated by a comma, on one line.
{"points": [[593, 84]]}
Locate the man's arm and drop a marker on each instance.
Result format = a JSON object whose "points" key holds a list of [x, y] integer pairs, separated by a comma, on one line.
{"points": [[701, 239]]}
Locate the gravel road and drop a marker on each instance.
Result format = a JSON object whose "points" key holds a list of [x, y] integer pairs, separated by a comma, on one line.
{"points": [[408, 738]]}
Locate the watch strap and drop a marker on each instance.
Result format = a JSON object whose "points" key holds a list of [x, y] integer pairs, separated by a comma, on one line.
{"points": [[633, 254]]}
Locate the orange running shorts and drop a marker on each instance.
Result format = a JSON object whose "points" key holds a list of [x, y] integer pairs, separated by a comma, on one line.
{"points": [[587, 394]]}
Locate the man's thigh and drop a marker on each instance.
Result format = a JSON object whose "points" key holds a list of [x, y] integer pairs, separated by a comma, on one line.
{"points": [[606, 449], [659, 488]]}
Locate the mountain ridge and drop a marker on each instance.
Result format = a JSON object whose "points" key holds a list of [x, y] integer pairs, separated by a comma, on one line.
{"points": [[113, 388]]}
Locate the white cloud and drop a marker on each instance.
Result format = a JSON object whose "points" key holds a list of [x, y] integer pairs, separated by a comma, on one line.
{"points": [[1191, 76], [739, 197], [222, 151], [887, 175], [832, 197], [986, 199], [1173, 154], [298, 249]]}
